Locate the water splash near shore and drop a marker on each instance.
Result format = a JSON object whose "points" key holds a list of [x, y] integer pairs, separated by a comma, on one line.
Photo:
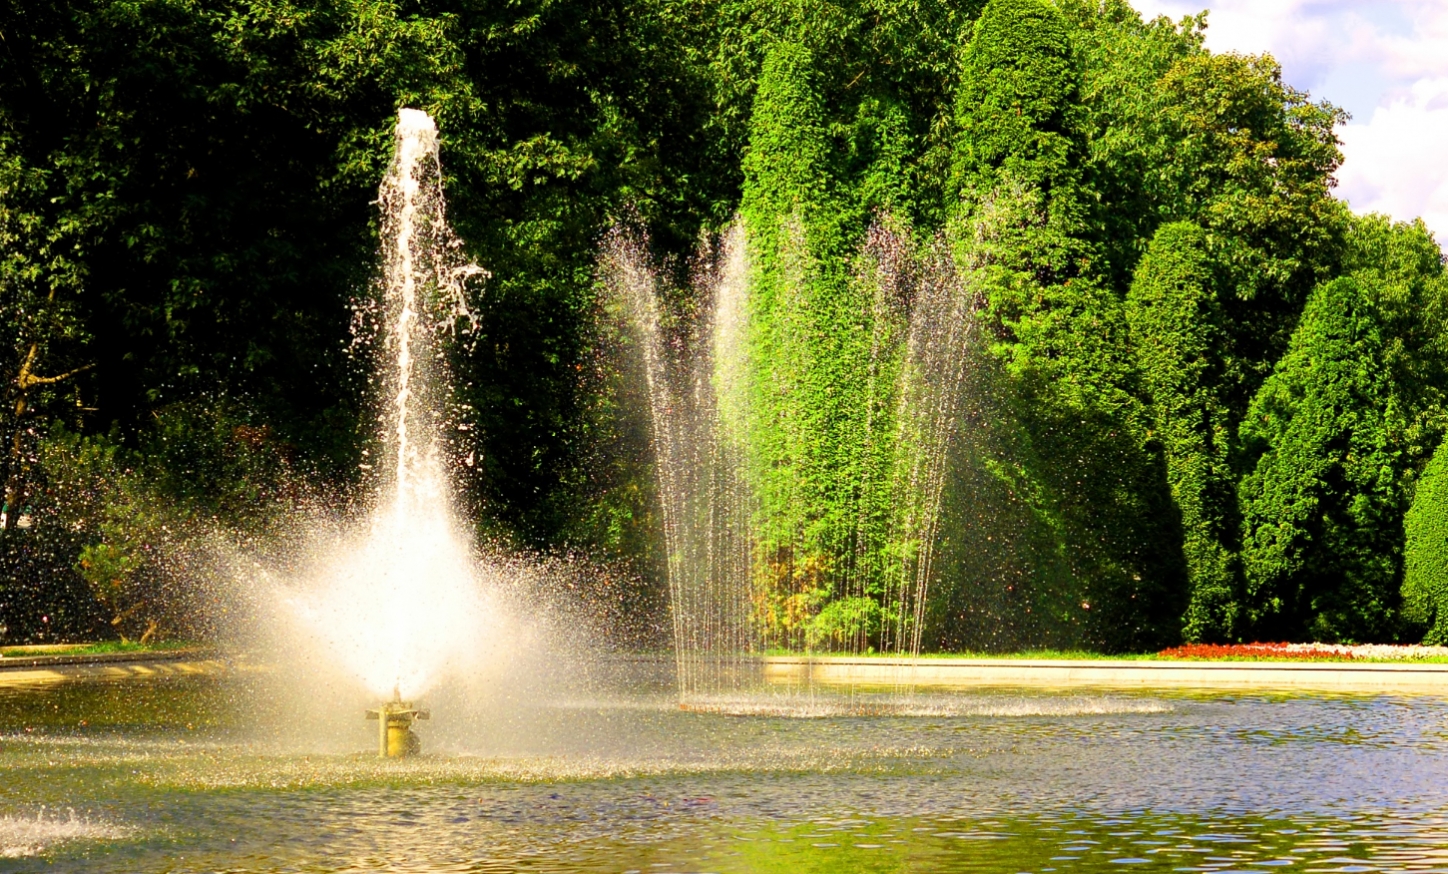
{"points": [[25, 836]]}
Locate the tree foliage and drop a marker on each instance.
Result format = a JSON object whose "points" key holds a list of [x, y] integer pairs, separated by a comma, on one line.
{"points": [[1323, 486], [1339, 431], [1425, 572], [821, 363], [1177, 326], [1207, 398], [1020, 222]]}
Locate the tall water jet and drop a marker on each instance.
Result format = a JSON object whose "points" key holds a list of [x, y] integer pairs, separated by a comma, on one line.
{"points": [[691, 365], [424, 301], [402, 606]]}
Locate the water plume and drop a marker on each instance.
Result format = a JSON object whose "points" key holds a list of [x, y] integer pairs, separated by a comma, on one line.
{"points": [[402, 604], [933, 390], [691, 365], [694, 356], [401, 600]]}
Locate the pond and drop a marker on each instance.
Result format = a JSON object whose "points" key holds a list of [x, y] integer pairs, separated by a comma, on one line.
{"points": [[174, 775]]}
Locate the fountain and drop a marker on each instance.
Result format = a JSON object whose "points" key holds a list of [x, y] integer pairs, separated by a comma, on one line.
{"points": [[691, 371], [400, 604], [695, 364], [395, 738]]}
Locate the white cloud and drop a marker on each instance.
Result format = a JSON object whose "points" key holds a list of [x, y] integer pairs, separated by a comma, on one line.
{"points": [[1385, 61], [1395, 161]]}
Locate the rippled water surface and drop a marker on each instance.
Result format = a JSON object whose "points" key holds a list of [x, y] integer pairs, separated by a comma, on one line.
{"points": [[194, 775]]}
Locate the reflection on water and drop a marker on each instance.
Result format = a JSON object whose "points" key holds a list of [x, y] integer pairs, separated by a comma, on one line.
{"points": [[171, 776], [802, 704]]}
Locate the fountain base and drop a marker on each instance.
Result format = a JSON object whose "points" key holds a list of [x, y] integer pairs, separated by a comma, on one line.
{"points": [[395, 737]]}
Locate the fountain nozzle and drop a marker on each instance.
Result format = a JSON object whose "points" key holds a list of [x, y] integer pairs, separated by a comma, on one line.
{"points": [[395, 737]]}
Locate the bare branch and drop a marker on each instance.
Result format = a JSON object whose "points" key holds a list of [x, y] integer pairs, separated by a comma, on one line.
{"points": [[26, 380]]}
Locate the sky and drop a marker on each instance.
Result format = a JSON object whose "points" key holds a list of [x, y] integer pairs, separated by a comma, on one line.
{"points": [[1384, 61]]}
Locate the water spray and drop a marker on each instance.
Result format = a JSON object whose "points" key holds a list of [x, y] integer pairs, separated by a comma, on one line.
{"points": [[404, 605], [395, 737]]}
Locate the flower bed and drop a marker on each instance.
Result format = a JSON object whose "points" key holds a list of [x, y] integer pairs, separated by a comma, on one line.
{"points": [[1308, 652], [1330, 652]]}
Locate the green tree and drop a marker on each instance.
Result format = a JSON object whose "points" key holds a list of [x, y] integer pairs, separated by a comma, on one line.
{"points": [[1176, 133], [1123, 61], [885, 68], [808, 339], [1016, 187], [1182, 347], [836, 173], [43, 365], [1019, 224], [1348, 416], [1323, 486]]}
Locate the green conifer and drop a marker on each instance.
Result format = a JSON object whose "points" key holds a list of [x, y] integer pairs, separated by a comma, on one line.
{"points": [[1425, 573], [1323, 491], [1180, 339]]}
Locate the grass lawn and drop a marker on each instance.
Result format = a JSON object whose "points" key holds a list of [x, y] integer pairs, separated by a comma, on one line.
{"points": [[96, 648]]}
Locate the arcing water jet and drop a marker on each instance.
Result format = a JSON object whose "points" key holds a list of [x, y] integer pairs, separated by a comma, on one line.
{"points": [[732, 594]]}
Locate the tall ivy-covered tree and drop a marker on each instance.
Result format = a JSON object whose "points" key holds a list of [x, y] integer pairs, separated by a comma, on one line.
{"points": [[1182, 348], [811, 404], [839, 142]]}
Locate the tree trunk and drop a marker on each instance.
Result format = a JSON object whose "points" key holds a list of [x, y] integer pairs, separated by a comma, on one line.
{"points": [[25, 380]]}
